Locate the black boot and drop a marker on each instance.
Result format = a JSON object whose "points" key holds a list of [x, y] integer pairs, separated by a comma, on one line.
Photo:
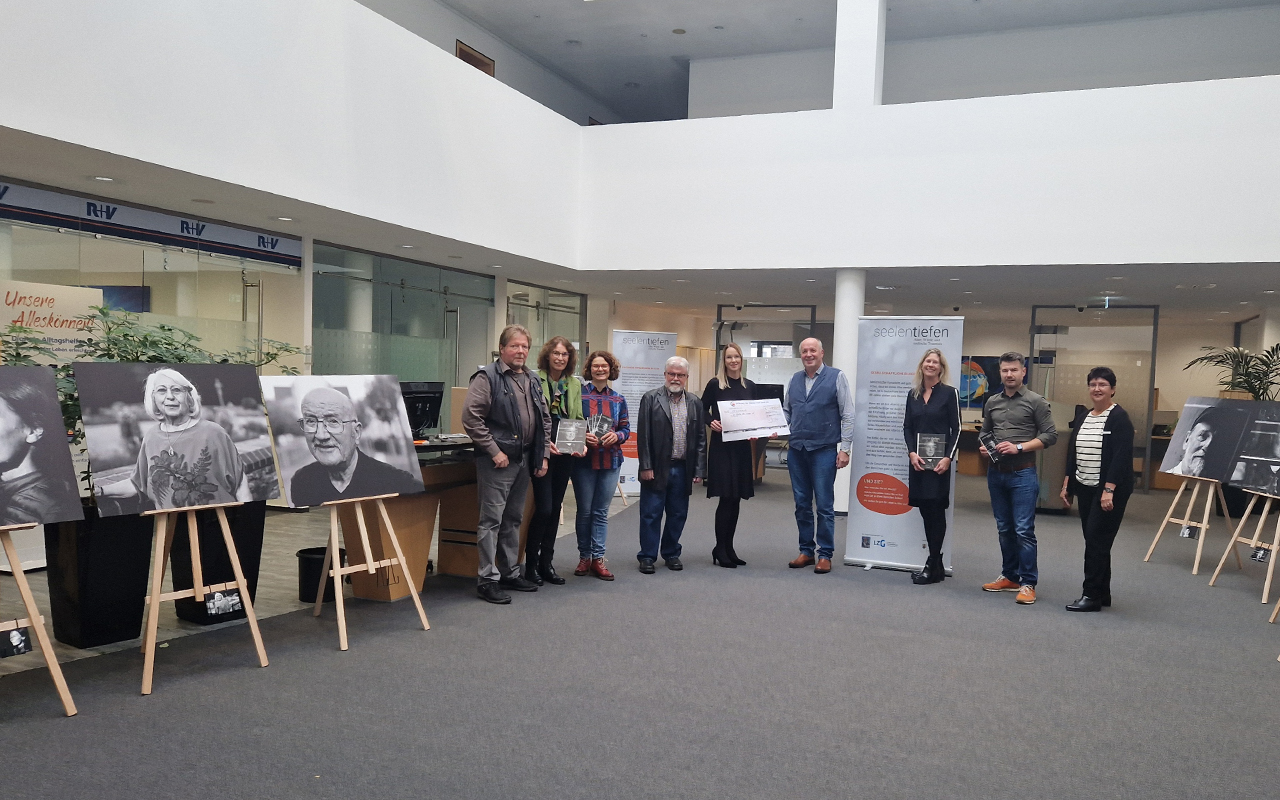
{"points": [[721, 559], [733, 555], [932, 572], [548, 573], [531, 573]]}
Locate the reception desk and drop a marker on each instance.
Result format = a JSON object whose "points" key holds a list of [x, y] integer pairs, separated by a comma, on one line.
{"points": [[449, 474]]}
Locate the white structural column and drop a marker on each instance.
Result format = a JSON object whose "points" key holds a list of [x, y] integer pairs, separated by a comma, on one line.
{"points": [[859, 78], [851, 294], [1270, 327]]}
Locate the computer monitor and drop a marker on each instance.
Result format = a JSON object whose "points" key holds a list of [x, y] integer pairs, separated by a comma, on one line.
{"points": [[422, 399]]}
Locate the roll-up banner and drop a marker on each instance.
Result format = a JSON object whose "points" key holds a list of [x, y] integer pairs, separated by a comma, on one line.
{"points": [[642, 356], [883, 530]]}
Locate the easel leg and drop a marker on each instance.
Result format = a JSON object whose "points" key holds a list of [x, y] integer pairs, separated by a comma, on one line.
{"points": [[324, 576], [197, 571], [1271, 563], [364, 538], [1234, 544], [1204, 531], [1226, 513], [37, 624], [337, 579], [404, 565], [242, 585], [153, 610], [1167, 515]]}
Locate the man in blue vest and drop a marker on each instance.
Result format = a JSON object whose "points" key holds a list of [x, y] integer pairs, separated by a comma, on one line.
{"points": [[819, 408]]}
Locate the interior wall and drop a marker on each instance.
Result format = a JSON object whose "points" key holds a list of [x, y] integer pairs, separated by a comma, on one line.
{"points": [[1176, 346], [443, 27], [761, 84], [690, 331], [1230, 43]]}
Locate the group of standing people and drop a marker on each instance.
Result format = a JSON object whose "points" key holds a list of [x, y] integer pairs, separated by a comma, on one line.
{"points": [[513, 413]]}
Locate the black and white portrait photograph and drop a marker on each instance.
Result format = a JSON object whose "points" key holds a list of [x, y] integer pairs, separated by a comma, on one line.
{"points": [[1257, 466], [1206, 438], [37, 479], [341, 437], [174, 435]]}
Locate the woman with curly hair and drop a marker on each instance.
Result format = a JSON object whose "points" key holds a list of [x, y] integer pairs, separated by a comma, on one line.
{"points": [[595, 477]]}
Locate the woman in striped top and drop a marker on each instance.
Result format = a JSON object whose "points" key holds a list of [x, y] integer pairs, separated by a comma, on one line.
{"points": [[1100, 473], [595, 477]]}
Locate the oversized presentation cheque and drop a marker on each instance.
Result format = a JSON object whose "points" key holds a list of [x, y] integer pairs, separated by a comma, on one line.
{"points": [[752, 419]]}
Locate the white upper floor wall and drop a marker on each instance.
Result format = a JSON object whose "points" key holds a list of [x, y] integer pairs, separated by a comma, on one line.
{"points": [[328, 102]]}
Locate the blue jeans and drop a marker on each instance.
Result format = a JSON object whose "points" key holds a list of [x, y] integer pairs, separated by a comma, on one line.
{"points": [[675, 502], [1013, 500], [593, 490], [813, 482]]}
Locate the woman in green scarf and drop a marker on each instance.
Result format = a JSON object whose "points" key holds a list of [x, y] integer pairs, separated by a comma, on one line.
{"points": [[563, 391]]}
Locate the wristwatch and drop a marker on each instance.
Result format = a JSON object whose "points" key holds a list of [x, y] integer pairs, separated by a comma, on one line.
{"points": [[1019, 448], [1105, 490]]}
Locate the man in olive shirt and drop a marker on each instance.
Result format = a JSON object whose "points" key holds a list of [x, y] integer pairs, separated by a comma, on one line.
{"points": [[1019, 420]]}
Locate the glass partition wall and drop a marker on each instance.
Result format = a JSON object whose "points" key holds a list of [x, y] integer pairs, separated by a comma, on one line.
{"points": [[379, 315], [547, 313], [228, 301], [1067, 342]]}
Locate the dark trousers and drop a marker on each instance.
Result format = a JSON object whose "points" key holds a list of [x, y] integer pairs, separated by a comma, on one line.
{"points": [[934, 514], [727, 523], [656, 537], [1100, 528], [548, 497]]}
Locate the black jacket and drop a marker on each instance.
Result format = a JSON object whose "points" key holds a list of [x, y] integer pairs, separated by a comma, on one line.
{"points": [[503, 418], [653, 438], [1117, 453]]}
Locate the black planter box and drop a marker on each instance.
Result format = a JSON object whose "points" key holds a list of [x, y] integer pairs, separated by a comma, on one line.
{"points": [[246, 523], [98, 577]]}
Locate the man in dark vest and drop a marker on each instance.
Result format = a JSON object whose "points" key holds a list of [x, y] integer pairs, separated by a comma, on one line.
{"points": [[507, 418], [819, 408]]}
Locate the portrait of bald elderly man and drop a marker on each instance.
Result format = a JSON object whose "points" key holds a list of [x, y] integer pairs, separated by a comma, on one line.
{"points": [[338, 442]]}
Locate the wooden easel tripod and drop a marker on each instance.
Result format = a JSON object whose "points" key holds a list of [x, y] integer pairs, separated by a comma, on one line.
{"points": [[1187, 520], [160, 558], [34, 620], [1256, 543], [369, 565]]}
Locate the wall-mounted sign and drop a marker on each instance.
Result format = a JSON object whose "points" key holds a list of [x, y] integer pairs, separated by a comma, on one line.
{"points": [[52, 310], [25, 204]]}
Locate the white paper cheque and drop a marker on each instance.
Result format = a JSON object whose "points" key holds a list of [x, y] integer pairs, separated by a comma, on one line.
{"points": [[752, 419]]}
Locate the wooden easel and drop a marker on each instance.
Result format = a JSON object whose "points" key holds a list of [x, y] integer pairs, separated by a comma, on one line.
{"points": [[160, 557], [1255, 542], [34, 620], [1186, 520], [369, 565]]}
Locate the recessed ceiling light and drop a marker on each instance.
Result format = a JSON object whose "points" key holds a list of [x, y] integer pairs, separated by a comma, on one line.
{"points": [[682, 280], [617, 292], [784, 309], [1268, 291], [285, 219], [202, 200], [968, 293], [677, 31], [977, 302], [1244, 302], [409, 246], [1224, 312], [886, 288], [659, 302], [496, 266], [564, 280], [810, 280], [103, 178], [953, 279], [1116, 278], [726, 293]]}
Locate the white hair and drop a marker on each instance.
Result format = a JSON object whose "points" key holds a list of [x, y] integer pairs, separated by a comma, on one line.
{"points": [[679, 361], [194, 406]]}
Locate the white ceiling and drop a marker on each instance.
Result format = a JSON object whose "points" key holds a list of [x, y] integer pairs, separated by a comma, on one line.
{"points": [[603, 46]]}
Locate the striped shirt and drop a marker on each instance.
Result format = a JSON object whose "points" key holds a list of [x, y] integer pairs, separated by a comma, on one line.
{"points": [[1089, 447], [614, 406]]}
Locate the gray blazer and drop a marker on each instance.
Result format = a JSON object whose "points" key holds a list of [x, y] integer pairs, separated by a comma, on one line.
{"points": [[653, 438]]}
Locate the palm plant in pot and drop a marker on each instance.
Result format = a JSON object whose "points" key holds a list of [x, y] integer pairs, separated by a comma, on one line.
{"points": [[1244, 375], [98, 568]]}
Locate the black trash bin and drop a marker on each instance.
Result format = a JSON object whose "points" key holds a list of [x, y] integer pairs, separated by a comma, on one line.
{"points": [[246, 522], [310, 562]]}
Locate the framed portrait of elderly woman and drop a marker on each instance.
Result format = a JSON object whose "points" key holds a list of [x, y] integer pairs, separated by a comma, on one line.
{"points": [[341, 437], [174, 435], [37, 479]]}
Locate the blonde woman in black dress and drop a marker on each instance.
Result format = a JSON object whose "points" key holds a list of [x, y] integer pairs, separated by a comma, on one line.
{"points": [[932, 407], [729, 473]]}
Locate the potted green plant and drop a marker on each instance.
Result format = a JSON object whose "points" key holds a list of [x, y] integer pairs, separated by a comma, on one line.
{"points": [[98, 567], [1244, 375]]}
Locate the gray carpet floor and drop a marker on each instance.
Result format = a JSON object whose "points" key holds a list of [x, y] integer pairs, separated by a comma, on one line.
{"points": [[707, 683]]}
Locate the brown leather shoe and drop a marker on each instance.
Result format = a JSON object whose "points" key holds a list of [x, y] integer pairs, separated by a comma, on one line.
{"points": [[600, 570], [584, 566], [799, 561], [824, 566], [1026, 595]]}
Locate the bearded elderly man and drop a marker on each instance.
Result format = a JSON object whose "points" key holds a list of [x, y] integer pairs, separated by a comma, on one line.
{"points": [[671, 440], [340, 470]]}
